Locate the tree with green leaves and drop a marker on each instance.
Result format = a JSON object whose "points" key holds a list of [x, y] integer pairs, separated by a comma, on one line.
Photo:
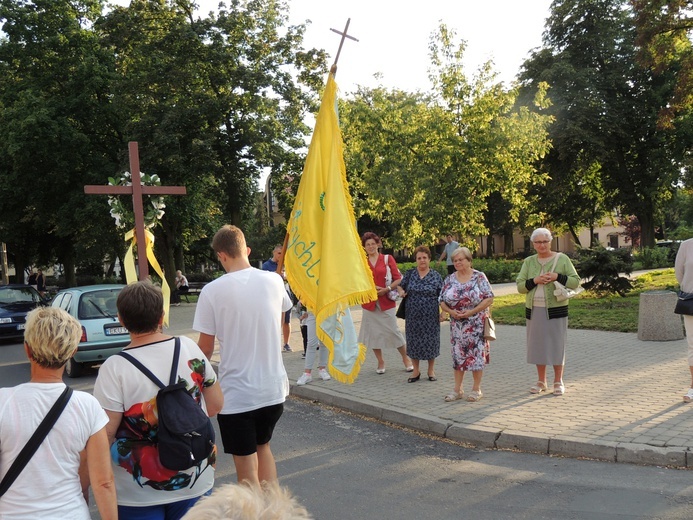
{"points": [[428, 163], [57, 130], [665, 32], [214, 102], [607, 148]]}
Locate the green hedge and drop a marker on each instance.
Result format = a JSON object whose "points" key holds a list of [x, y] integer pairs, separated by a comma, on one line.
{"points": [[496, 270]]}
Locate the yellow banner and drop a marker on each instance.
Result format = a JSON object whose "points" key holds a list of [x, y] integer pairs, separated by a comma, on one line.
{"points": [[326, 265], [131, 272]]}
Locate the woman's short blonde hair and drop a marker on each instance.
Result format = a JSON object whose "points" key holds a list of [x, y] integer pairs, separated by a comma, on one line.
{"points": [[52, 336], [461, 251]]}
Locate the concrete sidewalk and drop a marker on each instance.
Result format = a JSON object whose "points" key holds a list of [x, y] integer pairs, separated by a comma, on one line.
{"points": [[623, 399]]}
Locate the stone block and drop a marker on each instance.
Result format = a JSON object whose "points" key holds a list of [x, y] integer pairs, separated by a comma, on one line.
{"points": [[510, 440], [573, 447], [478, 436], [656, 318], [650, 455]]}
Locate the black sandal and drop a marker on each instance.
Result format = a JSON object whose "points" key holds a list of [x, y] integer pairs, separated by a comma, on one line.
{"points": [[432, 378], [414, 379]]}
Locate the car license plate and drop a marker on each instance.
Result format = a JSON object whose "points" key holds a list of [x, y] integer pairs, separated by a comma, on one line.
{"points": [[114, 331], [21, 326]]}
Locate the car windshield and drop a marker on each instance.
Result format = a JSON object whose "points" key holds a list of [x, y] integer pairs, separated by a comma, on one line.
{"points": [[18, 294], [98, 304]]}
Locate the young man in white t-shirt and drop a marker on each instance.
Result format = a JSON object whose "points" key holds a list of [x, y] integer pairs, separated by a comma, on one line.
{"points": [[243, 309]]}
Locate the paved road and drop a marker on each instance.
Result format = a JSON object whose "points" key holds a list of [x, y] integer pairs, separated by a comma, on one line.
{"points": [[622, 402]]}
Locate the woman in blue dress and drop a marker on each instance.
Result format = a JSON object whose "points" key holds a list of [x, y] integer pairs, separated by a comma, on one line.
{"points": [[422, 287], [466, 295]]}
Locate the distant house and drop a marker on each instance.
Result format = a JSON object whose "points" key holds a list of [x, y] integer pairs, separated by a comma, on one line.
{"points": [[607, 235]]}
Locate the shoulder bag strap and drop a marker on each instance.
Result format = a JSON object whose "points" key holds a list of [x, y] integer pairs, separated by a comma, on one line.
{"points": [[555, 261], [35, 441], [173, 378], [142, 369]]}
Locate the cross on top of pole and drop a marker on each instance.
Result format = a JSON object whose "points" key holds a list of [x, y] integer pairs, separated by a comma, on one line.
{"points": [[344, 35], [137, 191]]}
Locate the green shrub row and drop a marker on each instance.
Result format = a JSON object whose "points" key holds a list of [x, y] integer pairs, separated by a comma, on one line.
{"points": [[496, 270]]}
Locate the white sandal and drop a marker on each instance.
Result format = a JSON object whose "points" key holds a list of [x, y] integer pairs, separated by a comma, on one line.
{"points": [[688, 398], [474, 396], [454, 396], [558, 388], [538, 388]]}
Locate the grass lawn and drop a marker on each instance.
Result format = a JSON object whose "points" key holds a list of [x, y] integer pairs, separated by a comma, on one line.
{"points": [[588, 311]]}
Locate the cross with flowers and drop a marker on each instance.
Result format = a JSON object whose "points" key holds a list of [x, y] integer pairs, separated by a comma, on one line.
{"points": [[137, 190]]}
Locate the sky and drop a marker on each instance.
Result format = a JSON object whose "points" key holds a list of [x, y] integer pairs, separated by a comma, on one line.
{"points": [[393, 38], [393, 35]]}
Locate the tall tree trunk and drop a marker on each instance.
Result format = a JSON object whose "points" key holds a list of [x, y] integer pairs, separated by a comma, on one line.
{"points": [[180, 258], [508, 243], [164, 249], [647, 229], [575, 236], [19, 266], [68, 261]]}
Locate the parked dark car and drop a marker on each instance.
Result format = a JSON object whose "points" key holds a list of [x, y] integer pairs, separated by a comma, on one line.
{"points": [[102, 334], [16, 300]]}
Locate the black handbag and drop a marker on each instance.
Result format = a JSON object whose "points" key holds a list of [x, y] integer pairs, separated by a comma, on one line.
{"points": [[401, 310], [35, 441], [684, 304]]}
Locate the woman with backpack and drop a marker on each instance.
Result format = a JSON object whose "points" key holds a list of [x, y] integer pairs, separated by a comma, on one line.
{"points": [[147, 489]]}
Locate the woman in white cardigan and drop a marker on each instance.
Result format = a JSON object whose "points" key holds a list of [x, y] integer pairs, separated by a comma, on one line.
{"points": [[684, 274]]}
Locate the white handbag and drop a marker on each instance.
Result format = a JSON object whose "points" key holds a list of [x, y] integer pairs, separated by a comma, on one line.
{"points": [[561, 292], [393, 294]]}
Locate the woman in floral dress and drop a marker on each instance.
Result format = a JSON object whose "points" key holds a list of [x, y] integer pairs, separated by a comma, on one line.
{"points": [[422, 288], [466, 295]]}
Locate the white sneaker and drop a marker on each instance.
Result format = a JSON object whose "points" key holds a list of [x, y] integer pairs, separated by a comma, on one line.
{"points": [[688, 398], [304, 379], [324, 375]]}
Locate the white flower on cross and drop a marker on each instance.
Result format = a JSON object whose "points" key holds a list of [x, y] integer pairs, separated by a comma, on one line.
{"points": [[122, 215]]}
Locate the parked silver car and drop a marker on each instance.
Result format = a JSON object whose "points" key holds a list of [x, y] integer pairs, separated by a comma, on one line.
{"points": [[102, 334]]}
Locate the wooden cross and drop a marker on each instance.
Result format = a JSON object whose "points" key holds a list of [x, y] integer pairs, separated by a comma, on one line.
{"points": [[344, 35], [136, 190]]}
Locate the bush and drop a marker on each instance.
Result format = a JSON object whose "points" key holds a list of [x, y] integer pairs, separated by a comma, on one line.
{"points": [[653, 257], [602, 268], [496, 270]]}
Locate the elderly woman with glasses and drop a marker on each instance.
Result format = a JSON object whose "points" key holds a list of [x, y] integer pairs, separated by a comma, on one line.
{"points": [[465, 296], [547, 318]]}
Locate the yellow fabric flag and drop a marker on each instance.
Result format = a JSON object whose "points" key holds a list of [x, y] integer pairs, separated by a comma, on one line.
{"points": [[326, 265], [131, 272]]}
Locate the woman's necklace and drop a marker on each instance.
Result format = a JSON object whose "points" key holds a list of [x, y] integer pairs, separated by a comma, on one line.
{"points": [[147, 338]]}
